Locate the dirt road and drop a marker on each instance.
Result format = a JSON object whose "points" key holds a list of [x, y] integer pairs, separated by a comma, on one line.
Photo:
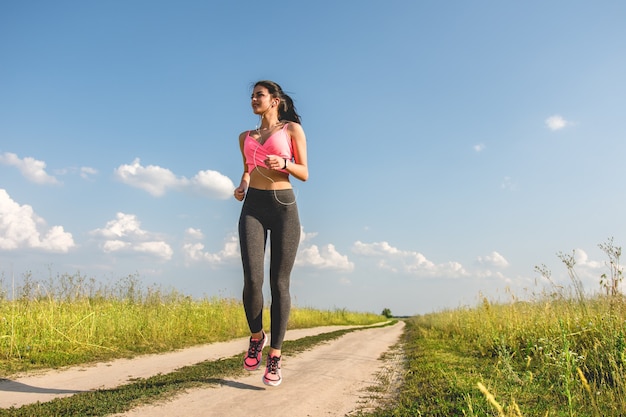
{"points": [[329, 380]]}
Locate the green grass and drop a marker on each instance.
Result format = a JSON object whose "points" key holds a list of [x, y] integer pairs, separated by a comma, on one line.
{"points": [[563, 354], [69, 319], [521, 359], [159, 387]]}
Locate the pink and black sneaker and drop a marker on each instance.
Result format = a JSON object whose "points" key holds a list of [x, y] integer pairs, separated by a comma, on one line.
{"points": [[252, 360], [272, 374]]}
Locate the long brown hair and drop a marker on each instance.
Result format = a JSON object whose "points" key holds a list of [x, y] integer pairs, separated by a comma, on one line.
{"points": [[286, 108]]}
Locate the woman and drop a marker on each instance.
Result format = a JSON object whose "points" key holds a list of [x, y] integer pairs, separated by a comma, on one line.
{"points": [[271, 153]]}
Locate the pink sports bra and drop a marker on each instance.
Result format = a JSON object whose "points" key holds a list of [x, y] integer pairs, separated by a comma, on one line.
{"points": [[278, 143]]}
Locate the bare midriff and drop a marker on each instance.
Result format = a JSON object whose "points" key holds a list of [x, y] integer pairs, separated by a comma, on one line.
{"points": [[266, 179]]}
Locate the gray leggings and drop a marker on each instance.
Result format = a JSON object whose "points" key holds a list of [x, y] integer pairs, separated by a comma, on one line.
{"points": [[263, 211]]}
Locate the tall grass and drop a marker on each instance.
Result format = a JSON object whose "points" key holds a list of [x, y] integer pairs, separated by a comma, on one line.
{"points": [[310, 317], [70, 319], [552, 350], [561, 354], [566, 342]]}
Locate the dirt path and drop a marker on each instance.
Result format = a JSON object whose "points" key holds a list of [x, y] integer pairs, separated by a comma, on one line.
{"points": [[326, 381]]}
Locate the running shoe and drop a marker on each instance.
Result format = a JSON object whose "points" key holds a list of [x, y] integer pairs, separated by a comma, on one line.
{"points": [[272, 375], [252, 360]]}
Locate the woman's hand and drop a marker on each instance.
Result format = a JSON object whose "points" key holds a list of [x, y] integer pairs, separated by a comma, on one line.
{"points": [[274, 162], [240, 192]]}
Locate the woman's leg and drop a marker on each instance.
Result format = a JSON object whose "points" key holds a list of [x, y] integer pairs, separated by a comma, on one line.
{"points": [[252, 238], [284, 238]]}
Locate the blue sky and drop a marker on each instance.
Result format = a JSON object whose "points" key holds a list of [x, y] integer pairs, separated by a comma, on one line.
{"points": [[453, 146]]}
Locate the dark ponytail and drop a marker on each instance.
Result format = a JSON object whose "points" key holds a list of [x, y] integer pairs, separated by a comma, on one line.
{"points": [[286, 108]]}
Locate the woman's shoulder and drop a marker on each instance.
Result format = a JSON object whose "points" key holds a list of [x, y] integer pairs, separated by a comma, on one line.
{"points": [[293, 127], [295, 130]]}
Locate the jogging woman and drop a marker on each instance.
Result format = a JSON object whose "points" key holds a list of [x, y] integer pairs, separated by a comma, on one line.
{"points": [[271, 153]]}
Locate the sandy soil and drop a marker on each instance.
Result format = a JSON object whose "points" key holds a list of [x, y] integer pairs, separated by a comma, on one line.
{"points": [[329, 380]]}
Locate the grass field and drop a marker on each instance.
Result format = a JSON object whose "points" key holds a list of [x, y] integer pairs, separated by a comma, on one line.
{"points": [[561, 354], [70, 319], [160, 387]]}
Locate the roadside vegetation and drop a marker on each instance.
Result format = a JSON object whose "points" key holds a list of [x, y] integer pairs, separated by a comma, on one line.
{"points": [[105, 402], [71, 319], [561, 354]]}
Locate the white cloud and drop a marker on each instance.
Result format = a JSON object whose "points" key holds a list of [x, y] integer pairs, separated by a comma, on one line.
{"points": [[153, 179], [556, 122], [114, 245], [195, 251], [374, 249], [587, 270], [591, 271], [32, 169], [582, 259], [304, 236], [157, 181], [326, 257], [20, 227], [414, 263], [494, 259], [479, 147], [84, 172], [212, 184], [195, 234], [157, 248], [124, 235], [87, 172], [123, 225]]}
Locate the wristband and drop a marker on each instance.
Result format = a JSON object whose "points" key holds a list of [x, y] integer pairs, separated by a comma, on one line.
{"points": [[285, 167]]}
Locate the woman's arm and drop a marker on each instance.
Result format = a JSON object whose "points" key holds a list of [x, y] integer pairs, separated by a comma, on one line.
{"points": [[299, 168], [240, 192]]}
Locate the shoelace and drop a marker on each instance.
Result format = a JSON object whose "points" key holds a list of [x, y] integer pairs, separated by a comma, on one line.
{"points": [[272, 364], [254, 348]]}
